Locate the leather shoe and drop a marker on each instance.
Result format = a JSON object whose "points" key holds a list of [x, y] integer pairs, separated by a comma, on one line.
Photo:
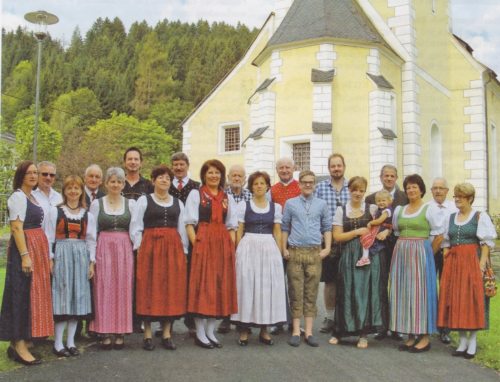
{"points": [[168, 343], [396, 336], [414, 349], [294, 341], [243, 342], [224, 326], [13, 354], [266, 341], [275, 330], [61, 353], [445, 338], [458, 353], [216, 344], [311, 341], [107, 346], [73, 351], [404, 347], [202, 344], [469, 356], [147, 344], [327, 326], [380, 336]]}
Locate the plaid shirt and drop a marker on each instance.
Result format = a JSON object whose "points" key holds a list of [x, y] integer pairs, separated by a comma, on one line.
{"points": [[245, 195], [325, 190]]}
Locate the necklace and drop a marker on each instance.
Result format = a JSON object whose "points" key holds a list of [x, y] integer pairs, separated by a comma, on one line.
{"points": [[164, 199], [71, 208]]}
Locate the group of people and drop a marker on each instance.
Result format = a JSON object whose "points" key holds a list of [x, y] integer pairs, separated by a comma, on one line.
{"points": [[157, 250]]}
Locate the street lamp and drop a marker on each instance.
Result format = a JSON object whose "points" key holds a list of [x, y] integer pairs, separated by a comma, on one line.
{"points": [[41, 19]]}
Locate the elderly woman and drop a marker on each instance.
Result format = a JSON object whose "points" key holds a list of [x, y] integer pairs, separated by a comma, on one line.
{"points": [[114, 276], [212, 281], [27, 304], [358, 311], [74, 258], [413, 299], [468, 237], [159, 233], [259, 266]]}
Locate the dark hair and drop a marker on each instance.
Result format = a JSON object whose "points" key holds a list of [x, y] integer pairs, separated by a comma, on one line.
{"points": [[219, 166], [256, 175], [357, 181], [132, 149], [21, 170], [179, 156], [161, 169], [74, 179], [415, 179], [336, 155]]}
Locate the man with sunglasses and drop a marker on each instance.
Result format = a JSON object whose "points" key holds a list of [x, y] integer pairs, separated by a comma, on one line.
{"points": [[45, 195]]}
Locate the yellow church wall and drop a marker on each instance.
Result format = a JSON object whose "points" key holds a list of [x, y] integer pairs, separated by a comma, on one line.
{"points": [[382, 8], [493, 106]]}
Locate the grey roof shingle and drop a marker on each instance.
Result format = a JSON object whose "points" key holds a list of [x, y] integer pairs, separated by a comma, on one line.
{"points": [[321, 127], [311, 19], [380, 81], [322, 75]]}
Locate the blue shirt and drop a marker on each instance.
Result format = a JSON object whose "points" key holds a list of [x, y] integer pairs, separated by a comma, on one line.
{"points": [[244, 196], [332, 197], [306, 220]]}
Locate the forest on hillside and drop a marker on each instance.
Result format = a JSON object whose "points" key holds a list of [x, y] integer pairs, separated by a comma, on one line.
{"points": [[111, 89]]}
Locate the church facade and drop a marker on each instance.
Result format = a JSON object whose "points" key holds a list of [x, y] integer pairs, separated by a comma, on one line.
{"points": [[380, 81]]}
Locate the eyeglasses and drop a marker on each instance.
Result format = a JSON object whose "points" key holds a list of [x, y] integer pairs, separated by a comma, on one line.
{"points": [[46, 174], [307, 183]]}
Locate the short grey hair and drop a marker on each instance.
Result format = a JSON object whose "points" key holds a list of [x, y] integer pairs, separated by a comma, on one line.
{"points": [[237, 167], [179, 156], [115, 171], [93, 167], [45, 163], [388, 167], [440, 179], [283, 160]]}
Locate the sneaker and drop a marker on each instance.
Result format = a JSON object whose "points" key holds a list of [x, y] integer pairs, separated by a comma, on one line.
{"points": [[363, 261]]}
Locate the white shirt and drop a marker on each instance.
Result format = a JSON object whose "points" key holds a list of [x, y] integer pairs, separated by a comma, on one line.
{"points": [[192, 211], [486, 232], [175, 182], [53, 200], [441, 212], [95, 208], [242, 209], [435, 222]]}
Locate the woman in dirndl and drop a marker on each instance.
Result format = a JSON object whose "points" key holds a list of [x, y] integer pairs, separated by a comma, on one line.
{"points": [[259, 266], [211, 222], [468, 237], [413, 296], [27, 305], [114, 268], [159, 233], [74, 258]]}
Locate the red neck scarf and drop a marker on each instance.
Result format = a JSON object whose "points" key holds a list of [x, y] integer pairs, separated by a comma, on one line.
{"points": [[219, 203]]}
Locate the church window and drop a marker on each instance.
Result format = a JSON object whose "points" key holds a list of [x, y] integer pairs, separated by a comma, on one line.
{"points": [[230, 138], [302, 155], [436, 157]]}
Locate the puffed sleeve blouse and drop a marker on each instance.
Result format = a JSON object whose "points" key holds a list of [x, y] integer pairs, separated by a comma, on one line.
{"points": [[486, 232], [192, 211], [137, 223], [132, 207], [435, 222], [338, 219], [242, 209]]}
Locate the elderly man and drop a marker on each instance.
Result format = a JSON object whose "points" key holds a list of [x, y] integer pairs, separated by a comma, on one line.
{"points": [[388, 177], [306, 223], [336, 193], [236, 179], [93, 180], [135, 184], [444, 209], [181, 184], [45, 194]]}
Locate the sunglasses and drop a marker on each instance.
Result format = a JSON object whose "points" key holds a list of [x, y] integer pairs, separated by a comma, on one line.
{"points": [[45, 174]]}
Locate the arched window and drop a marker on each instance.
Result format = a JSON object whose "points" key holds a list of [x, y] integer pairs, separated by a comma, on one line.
{"points": [[493, 172], [436, 157]]}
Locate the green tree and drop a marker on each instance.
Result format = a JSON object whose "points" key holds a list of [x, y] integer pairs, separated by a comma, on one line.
{"points": [[169, 115], [49, 138]]}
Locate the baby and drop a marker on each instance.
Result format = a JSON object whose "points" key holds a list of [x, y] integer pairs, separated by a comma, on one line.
{"points": [[383, 199]]}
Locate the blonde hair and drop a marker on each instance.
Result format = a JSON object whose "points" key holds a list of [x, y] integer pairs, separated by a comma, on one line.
{"points": [[304, 173], [465, 189], [356, 182], [383, 194], [69, 181]]}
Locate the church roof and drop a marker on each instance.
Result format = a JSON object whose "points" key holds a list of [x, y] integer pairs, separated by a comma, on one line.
{"points": [[312, 19]]}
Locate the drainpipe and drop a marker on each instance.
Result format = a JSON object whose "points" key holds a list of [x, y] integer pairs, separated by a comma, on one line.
{"points": [[487, 140]]}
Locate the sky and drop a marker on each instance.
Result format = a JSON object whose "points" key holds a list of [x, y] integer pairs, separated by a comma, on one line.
{"points": [[475, 21]]}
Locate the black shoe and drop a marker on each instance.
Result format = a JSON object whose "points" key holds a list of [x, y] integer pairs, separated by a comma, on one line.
{"points": [[14, 355], [168, 343], [396, 336], [216, 344], [414, 349], [380, 336], [275, 330], [404, 347], [107, 346], [445, 338], [224, 326], [311, 341], [147, 344], [243, 342], [327, 326], [458, 353], [73, 351], [189, 322], [469, 356], [61, 353], [202, 344], [266, 341]]}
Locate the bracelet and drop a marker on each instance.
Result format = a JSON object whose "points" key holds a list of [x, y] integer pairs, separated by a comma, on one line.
{"points": [[24, 254]]}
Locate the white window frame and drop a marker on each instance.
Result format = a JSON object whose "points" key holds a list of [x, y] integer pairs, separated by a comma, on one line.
{"points": [[222, 137], [286, 147]]}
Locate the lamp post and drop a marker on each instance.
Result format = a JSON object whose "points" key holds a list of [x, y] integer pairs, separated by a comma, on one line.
{"points": [[41, 19]]}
